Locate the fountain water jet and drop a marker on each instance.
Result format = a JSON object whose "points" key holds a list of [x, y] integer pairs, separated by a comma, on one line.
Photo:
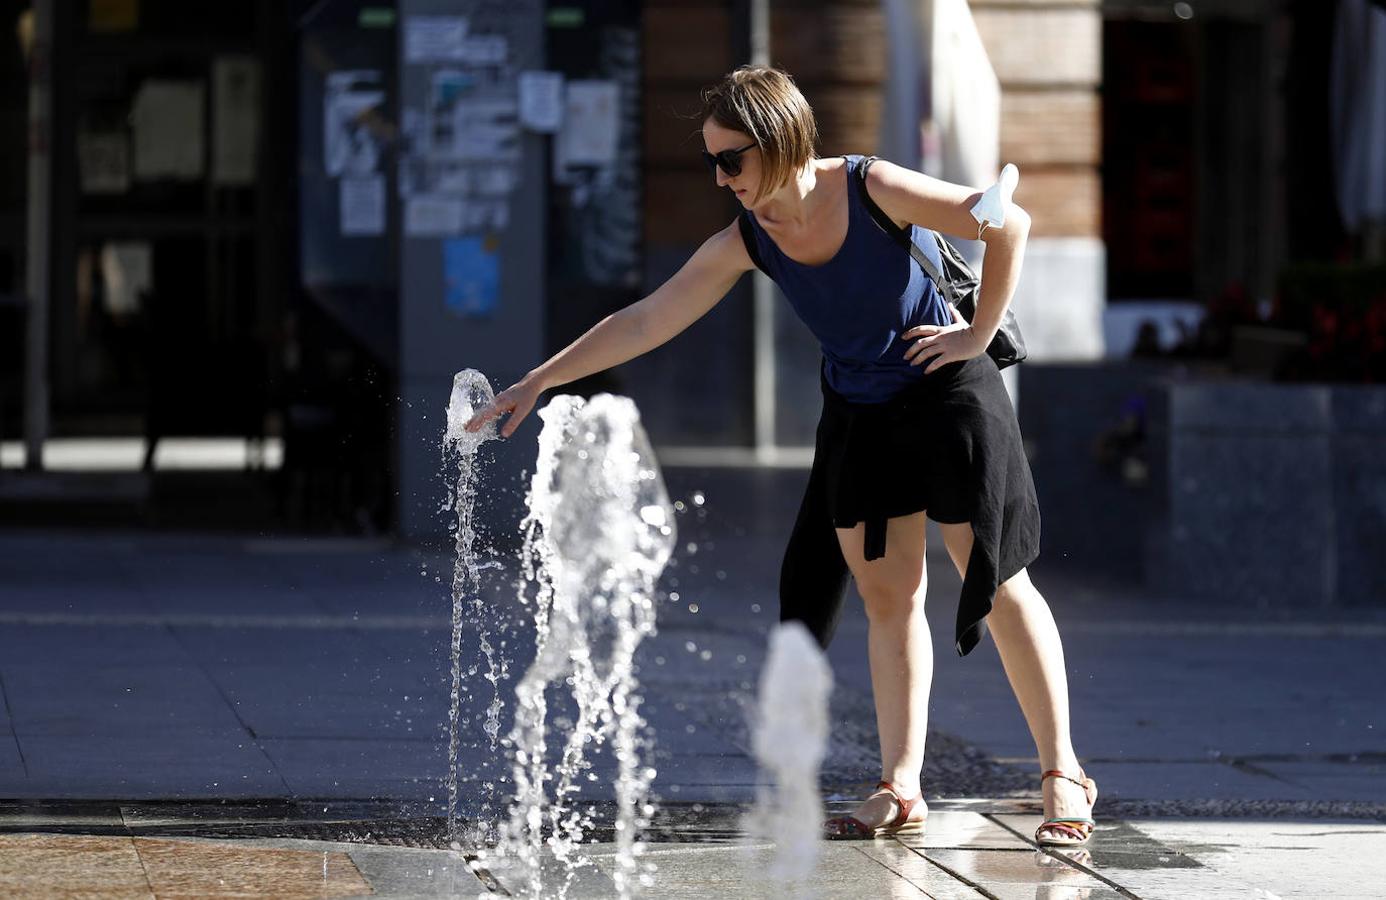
{"points": [[790, 739], [470, 392], [599, 532]]}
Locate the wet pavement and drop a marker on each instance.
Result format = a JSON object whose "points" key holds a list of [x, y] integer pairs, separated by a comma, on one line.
{"points": [[188, 715], [972, 848]]}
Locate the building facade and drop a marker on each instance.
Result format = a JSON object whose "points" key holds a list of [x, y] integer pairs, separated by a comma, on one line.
{"points": [[359, 207]]}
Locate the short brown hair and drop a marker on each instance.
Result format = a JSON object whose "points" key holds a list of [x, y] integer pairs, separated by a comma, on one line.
{"points": [[765, 103]]}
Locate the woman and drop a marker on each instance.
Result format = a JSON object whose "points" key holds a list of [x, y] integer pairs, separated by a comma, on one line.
{"points": [[916, 422]]}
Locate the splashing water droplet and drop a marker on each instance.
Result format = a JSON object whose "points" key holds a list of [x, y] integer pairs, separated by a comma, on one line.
{"points": [[470, 392], [789, 739], [598, 534]]}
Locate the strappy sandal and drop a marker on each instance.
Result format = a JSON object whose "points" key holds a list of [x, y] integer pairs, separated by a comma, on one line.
{"points": [[1068, 831], [850, 828]]}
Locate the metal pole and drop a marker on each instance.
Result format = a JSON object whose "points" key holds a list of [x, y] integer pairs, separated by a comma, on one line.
{"points": [[37, 275], [763, 290], [760, 32]]}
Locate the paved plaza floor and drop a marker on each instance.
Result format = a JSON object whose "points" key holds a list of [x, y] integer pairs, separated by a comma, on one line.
{"points": [[972, 849], [197, 714]]}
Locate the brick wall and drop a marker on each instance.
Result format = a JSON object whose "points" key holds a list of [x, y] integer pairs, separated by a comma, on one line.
{"points": [[688, 44], [835, 51], [1048, 57]]}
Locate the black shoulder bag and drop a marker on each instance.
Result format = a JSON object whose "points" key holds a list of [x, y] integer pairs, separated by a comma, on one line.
{"points": [[960, 285]]}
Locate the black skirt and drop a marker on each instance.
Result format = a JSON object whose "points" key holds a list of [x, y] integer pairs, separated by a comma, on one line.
{"points": [[949, 445]]}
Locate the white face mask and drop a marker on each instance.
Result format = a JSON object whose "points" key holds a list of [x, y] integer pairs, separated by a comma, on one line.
{"points": [[991, 209]]}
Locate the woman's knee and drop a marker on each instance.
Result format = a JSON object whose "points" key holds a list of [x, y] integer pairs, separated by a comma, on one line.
{"points": [[1015, 592], [893, 584], [887, 598]]}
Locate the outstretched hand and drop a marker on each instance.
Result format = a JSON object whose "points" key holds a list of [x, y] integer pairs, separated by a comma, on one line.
{"points": [[939, 345], [517, 400]]}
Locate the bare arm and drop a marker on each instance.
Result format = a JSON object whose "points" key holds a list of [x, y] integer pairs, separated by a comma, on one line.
{"points": [[698, 286], [909, 196], [688, 295]]}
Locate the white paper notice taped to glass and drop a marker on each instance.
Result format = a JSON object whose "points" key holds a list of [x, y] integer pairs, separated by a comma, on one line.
{"points": [[541, 101], [434, 38], [433, 216], [990, 211], [486, 129], [349, 143], [167, 121], [362, 200], [591, 123]]}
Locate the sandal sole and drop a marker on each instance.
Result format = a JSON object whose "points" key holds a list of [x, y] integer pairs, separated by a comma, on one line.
{"points": [[1048, 843], [908, 828]]}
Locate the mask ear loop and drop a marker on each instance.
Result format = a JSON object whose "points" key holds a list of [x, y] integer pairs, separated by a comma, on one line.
{"points": [[982, 226]]}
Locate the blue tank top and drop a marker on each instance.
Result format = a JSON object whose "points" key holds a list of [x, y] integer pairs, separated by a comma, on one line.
{"points": [[859, 302]]}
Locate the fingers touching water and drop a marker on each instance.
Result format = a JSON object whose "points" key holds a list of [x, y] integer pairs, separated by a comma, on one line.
{"points": [[517, 400]]}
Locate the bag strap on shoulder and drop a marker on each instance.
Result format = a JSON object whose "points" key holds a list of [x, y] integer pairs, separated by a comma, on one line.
{"points": [[901, 235]]}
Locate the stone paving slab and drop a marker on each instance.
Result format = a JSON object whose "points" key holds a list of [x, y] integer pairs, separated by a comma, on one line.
{"points": [[1021, 876], [1342, 860], [145, 767], [71, 866], [1356, 779], [844, 869], [76, 644], [326, 768], [399, 872], [958, 828], [1189, 780], [117, 866], [918, 870], [12, 764], [114, 701], [355, 701]]}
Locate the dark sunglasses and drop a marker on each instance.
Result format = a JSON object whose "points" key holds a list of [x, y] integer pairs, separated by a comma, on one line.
{"points": [[729, 160]]}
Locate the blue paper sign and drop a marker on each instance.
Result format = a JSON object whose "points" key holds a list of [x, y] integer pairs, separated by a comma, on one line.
{"points": [[471, 275]]}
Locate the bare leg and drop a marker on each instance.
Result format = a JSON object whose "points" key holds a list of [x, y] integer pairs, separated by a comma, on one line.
{"points": [[1033, 656], [900, 651]]}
